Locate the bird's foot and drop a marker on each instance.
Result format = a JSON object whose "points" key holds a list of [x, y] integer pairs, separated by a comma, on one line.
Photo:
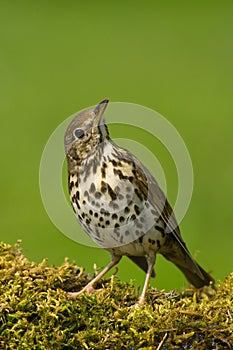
{"points": [[140, 302], [89, 289]]}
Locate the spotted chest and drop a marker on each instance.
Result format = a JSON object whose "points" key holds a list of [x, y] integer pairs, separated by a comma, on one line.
{"points": [[111, 208]]}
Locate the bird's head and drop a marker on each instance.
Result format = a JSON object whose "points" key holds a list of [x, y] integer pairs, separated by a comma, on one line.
{"points": [[86, 131]]}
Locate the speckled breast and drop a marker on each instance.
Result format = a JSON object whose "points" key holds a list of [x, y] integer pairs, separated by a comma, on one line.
{"points": [[111, 209]]}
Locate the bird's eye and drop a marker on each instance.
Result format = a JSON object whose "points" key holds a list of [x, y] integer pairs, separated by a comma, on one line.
{"points": [[79, 133]]}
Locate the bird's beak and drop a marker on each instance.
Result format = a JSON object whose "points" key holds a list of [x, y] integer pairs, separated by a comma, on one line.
{"points": [[99, 111]]}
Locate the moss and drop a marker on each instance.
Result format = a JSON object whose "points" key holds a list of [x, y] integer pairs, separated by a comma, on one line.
{"points": [[35, 312]]}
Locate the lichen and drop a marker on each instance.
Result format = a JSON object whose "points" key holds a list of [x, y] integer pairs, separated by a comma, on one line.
{"points": [[36, 314]]}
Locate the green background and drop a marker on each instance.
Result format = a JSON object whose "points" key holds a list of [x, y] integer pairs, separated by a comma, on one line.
{"points": [[57, 57]]}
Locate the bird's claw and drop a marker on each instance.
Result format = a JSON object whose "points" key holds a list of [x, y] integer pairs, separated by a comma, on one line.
{"points": [[88, 289]]}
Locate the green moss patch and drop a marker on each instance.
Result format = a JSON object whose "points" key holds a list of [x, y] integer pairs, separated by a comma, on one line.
{"points": [[36, 314]]}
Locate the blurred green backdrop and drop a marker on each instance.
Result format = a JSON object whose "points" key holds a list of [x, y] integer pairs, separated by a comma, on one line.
{"points": [[57, 57]]}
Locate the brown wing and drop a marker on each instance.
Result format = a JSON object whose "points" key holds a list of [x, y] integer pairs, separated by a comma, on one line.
{"points": [[150, 188]]}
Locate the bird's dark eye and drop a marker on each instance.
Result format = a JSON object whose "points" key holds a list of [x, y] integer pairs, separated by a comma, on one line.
{"points": [[79, 133]]}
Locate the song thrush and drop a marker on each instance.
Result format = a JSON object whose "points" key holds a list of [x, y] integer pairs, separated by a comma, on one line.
{"points": [[119, 204]]}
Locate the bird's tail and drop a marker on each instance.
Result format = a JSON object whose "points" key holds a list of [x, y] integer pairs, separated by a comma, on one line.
{"points": [[179, 255], [196, 279]]}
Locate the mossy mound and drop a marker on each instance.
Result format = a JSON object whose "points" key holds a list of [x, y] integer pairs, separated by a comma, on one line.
{"points": [[35, 312]]}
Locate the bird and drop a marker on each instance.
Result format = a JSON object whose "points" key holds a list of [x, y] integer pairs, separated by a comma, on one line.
{"points": [[119, 204]]}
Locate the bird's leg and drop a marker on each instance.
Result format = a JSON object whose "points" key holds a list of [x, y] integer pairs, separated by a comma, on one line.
{"points": [[89, 288], [150, 262]]}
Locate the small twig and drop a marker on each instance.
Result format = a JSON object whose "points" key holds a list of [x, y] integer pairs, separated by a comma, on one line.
{"points": [[229, 314], [95, 269], [162, 341]]}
